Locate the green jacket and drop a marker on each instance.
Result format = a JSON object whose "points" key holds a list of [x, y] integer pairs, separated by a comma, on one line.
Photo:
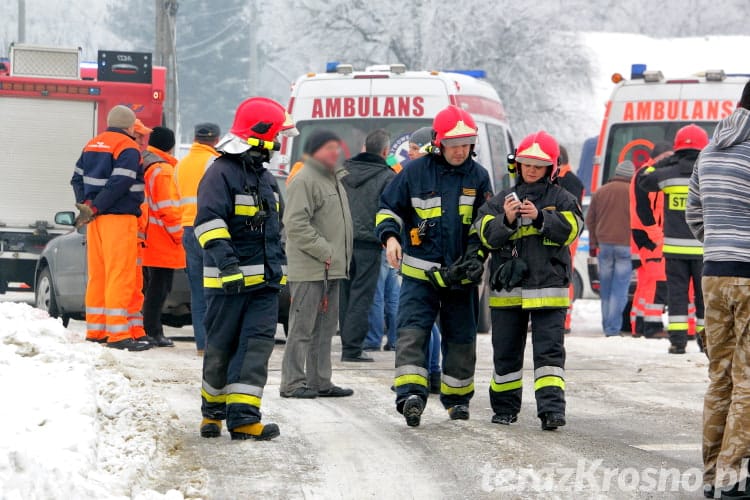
{"points": [[318, 225]]}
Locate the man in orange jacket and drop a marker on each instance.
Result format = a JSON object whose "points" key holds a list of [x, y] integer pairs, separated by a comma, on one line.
{"points": [[108, 186], [647, 236], [163, 252], [187, 175]]}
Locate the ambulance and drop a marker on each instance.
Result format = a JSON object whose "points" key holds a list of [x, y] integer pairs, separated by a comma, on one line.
{"points": [[650, 108], [353, 103]]}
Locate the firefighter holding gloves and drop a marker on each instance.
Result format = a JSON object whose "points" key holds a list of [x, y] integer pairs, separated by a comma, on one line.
{"points": [[238, 225], [425, 222], [528, 229]]}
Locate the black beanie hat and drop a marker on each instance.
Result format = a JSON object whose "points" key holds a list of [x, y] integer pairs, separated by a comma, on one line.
{"points": [[162, 139], [318, 139]]}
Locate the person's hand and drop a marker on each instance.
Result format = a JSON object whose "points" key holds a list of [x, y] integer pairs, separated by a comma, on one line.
{"points": [[393, 252], [85, 215], [528, 209], [232, 280], [511, 207]]}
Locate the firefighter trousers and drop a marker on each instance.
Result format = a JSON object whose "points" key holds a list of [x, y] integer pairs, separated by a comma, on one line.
{"points": [[509, 330], [419, 306], [240, 332], [112, 254], [681, 273]]}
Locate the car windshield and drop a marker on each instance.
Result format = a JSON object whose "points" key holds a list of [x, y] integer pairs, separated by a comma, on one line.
{"points": [[633, 141], [353, 133]]}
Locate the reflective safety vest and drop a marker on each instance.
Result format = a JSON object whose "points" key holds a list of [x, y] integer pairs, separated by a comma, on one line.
{"points": [[163, 246], [188, 174], [543, 245], [646, 219], [672, 177], [239, 222], [429, 207]]}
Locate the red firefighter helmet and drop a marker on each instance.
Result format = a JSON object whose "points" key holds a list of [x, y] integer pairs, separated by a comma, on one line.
{"points": [[453, 127], [539, 149], [257, 122], [690, 137]]}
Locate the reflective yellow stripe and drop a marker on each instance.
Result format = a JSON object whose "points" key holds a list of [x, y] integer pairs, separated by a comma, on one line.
{"points": [[245, 210], [525, 231], [231, 277], [410, 379], [550, 381], [219, 398], [209, 282], [459, 391], [214, 234], [244, 399], [674, 249], [683, 189], [379, 218], [538, 302], [439, 279], [677, 326], [485, 220], [511, 301], [466, 212], [413, 272], [429, 213], [573, 221], [283, 280], [507, 386]]}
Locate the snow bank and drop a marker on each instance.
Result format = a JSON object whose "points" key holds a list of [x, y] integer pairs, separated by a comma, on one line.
{"points": [[71, 427]]}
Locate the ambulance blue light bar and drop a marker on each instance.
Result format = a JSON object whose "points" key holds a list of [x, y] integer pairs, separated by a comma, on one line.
{"points": [[636, 71], [331, 66], [476, 73]]}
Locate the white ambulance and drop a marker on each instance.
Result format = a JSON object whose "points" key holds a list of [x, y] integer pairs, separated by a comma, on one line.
{"points": [[353, 103], [650, 108]]}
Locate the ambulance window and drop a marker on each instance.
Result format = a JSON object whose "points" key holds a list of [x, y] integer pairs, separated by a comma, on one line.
{"points": [[632, 141], [497, 139], [353, 133]]}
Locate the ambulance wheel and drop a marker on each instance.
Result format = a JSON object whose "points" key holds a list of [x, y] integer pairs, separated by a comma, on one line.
{"points": [[484, 322], [577, 286]]}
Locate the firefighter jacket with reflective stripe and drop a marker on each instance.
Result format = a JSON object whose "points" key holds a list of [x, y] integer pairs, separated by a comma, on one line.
{"points": [[239, 223], [109, 173], [429, 207], [188, 174], [672, 176], [543, 244], [646, 219], [164, 229]]}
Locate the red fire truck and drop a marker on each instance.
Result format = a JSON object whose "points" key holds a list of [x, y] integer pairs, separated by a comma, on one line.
{"points": [[51, 104]]}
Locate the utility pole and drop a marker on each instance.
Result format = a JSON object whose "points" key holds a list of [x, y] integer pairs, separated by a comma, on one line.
{"points": [[166, 55], [21, 21]]}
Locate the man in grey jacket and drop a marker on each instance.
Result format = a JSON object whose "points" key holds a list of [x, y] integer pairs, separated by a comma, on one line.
{"points": [[718, 204], [319, 247], [367, 175]]}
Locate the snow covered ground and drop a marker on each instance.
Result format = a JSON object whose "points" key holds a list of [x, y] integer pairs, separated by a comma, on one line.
{"points": [[83, 421]]}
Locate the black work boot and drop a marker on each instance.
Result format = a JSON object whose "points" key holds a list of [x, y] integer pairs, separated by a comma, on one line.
{"points": [[210, 428], [412, 410], [551, 421], [504, 418], [459, 412], [256, 431]]}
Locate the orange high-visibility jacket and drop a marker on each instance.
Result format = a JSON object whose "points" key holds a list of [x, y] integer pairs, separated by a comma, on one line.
{"points": [[164, 230], [188, 174], [646, 219]]}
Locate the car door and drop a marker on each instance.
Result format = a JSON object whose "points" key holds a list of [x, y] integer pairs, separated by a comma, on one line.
{"points": [[69, 270]]}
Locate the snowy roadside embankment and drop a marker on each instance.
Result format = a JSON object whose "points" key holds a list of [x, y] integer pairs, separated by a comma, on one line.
{"points": [[71, 427]]}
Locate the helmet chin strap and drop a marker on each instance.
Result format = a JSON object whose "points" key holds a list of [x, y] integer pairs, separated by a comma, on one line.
{"points": [[255, 157]]}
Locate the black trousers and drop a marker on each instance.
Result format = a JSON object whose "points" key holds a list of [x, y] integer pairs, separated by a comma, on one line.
{"points": [[357, 295], [509, 330], [157, 283], [680, 273]]}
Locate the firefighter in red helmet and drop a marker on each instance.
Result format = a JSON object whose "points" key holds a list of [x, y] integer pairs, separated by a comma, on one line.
{"points": [[238, 225], [425, 222], [528, 229], [683, 254]]}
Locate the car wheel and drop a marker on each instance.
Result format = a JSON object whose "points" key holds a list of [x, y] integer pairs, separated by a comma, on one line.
{"points": [[45, 293], [577, 286]]}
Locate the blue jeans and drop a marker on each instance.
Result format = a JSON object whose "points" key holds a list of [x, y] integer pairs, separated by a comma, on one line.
{"points": [[433, 351], [194, 258], [615, 269], [384, 310]]}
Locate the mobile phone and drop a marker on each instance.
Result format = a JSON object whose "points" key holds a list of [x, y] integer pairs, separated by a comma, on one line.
{"points": [[512, 196]]}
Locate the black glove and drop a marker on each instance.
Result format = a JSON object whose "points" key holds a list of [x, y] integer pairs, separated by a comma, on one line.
{"points": [[473, 269], [232, 280], [509, 275], [445, 277]]}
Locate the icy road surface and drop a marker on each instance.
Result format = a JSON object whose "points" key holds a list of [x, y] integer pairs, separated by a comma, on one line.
{"points": [[83, 421]]}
